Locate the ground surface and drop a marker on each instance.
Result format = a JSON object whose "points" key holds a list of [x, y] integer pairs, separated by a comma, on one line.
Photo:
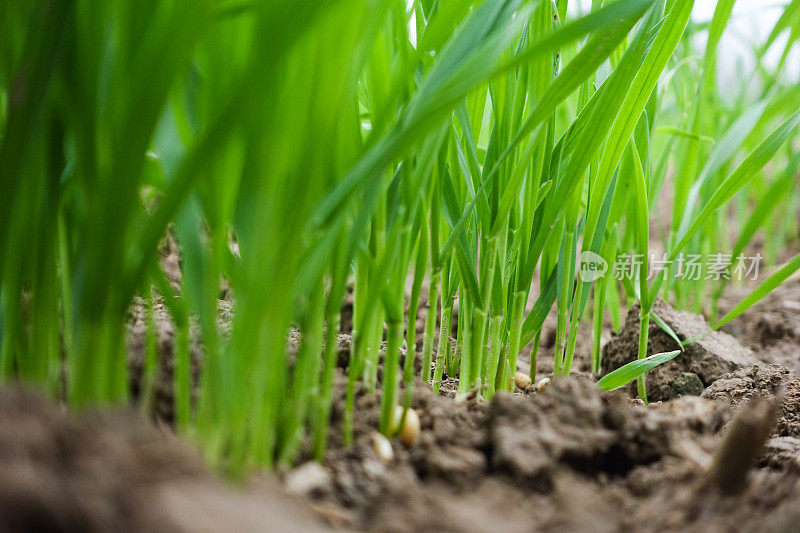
{"points": [[565, 458]]}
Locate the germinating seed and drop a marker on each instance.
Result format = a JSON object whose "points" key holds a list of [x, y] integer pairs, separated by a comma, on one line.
{"points": [[522, 380], [411, 426], [382, 446], [542, 384]]}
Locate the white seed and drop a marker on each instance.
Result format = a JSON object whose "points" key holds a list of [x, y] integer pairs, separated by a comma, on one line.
{"points": [[382, 446], [411, 426], [522, 380], [542, 384], [307, 478]]}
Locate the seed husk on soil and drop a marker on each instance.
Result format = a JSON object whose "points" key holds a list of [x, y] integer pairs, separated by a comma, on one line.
{"points": [[522, 380], [542, 384], [383, 448], [410, 429]]}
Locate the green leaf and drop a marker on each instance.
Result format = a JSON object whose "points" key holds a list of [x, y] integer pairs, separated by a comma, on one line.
{"points": [[533, 322], [723, 151], [754, 162], [469, 59], [767, 286], [629, 372], [670, 130], [666, 329], [780, 188]]}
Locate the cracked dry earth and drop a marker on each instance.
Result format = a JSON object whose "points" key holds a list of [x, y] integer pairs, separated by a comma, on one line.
{"points": [[718, 451]]}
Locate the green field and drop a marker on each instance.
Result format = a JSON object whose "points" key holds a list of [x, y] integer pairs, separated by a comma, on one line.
{"points": [[469, 153]]}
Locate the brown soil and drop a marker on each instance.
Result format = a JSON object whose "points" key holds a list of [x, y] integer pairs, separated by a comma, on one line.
{"points": [[112, 471], [568, 458], [572, 458]]}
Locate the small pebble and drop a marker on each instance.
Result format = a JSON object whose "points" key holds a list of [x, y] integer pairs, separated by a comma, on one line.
{"points": [[522, 380], [382, 446], [542, 384]]}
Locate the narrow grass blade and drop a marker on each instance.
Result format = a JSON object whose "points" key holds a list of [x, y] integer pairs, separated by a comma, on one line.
{"points": [[767, 286], [666, 329], [633, 370]]}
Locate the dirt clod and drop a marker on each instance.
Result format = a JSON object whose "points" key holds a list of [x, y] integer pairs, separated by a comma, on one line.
{"points": [[529, 439], [687, 383], [112, 471], [782, 453], [769, 381], [743, 442], [708, 358]]}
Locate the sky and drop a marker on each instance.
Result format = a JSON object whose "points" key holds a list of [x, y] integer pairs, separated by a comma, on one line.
{"points": [[751, 22]]}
